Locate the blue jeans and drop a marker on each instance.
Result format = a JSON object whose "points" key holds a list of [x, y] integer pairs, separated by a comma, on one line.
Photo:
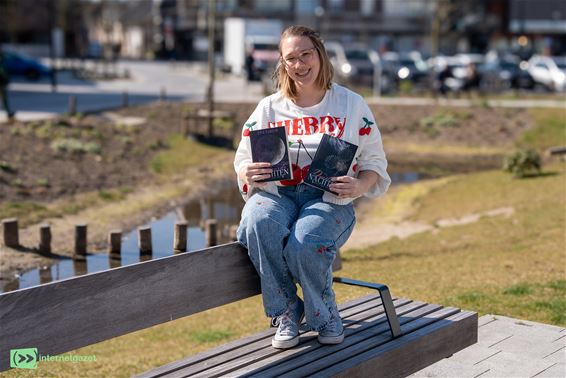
{"points": [[294, 239]]}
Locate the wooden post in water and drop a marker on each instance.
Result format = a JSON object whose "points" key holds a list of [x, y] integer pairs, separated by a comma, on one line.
{"points": [[72, 105], [11, 232], [144, 240], [45, 239], [125, 99], [80, 240], [211, 231], [115, 242], [180, 237]]}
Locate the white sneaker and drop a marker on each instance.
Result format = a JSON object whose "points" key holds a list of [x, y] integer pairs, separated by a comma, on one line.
{"points": [[287, 335], [333, 333]]}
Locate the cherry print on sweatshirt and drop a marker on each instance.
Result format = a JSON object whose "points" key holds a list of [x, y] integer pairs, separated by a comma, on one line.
{"points": [[250, 127], [366, 129]]}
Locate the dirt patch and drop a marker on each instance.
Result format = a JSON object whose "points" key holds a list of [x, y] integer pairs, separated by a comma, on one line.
{"points": [[368, 233]]}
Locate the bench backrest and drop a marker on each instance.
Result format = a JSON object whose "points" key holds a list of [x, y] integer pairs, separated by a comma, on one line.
{"points": [[65, 315]]}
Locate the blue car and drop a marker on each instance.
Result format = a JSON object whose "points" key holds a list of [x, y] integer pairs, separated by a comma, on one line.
{"points": [[21, 65]]}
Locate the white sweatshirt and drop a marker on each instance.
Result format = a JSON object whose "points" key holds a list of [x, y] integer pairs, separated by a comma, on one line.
{"points": [[341, 113]]}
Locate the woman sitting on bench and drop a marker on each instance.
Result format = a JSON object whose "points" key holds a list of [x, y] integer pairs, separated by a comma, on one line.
{"points": [[292, 231]]}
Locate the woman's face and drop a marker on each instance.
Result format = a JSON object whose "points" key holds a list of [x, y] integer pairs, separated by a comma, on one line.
{"points": [[301, 61]]}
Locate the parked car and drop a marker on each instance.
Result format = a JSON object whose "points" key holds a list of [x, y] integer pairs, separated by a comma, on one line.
{"points": [[548, 72], [504, 73], [450, 73], [355, 64], [22, 65]]}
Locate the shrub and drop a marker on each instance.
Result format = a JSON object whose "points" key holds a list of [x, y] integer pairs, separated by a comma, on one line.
{"points": [[523, 163]]}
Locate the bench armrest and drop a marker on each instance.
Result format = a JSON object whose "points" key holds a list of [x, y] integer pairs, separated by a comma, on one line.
{"points": [[385, 299]]}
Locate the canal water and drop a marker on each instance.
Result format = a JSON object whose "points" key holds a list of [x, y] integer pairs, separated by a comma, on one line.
{"points": [[224, 205]]}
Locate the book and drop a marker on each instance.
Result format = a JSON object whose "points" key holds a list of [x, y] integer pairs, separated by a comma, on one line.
{"points": [[333, 158], [271, 146]]}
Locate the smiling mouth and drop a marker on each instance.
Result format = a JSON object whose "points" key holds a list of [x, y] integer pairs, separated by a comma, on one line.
{"points": [[302, 75]]}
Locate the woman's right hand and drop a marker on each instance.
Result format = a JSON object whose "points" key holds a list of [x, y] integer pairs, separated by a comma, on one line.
{"points": [[251, 173]]}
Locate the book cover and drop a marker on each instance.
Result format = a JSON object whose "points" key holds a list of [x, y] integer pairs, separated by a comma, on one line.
{"points": [[333, 158], [270, 146]]}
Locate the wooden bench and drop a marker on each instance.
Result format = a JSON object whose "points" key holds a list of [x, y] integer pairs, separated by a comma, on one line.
{"points": [[384, 335]]}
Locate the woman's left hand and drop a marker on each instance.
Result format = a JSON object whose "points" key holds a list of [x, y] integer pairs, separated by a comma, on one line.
{"points": [[347, 186], [352, 187]]}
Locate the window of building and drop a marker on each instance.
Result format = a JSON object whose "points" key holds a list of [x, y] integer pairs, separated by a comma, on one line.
{"points": [[367, 7], [335, 5], [272, 6]]}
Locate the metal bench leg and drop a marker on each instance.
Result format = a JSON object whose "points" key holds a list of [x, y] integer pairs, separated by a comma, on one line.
{"points": [[385, 299]]}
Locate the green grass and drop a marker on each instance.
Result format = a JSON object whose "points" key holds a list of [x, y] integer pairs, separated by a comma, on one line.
{"points": [[504, 265], [184, 153], [31, 212], [550, 130]]}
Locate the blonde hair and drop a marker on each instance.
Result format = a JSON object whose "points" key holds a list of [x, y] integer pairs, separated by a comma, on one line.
{"points": [[282, 79]]}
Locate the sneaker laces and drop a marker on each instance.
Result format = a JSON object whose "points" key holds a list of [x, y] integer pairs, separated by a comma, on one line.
{"points": [[334, 327], [286, 324]]}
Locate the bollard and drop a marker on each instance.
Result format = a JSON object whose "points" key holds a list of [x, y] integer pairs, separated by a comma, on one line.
{"points": [[115, 242], [72, 105], [144, 240], [11, 232], [162, 94], [45, 239], [80, 240], [211, 226], [180, 237], [125, 99]]}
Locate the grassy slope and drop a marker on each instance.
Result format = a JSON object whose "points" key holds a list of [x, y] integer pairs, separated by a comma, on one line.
{"points": [[511, 266]]}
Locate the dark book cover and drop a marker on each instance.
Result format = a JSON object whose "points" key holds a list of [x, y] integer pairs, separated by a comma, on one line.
{"points": [[333, 158], [270, 146]]}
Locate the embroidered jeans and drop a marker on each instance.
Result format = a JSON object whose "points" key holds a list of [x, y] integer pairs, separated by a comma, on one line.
{"points": [[294, 239]]}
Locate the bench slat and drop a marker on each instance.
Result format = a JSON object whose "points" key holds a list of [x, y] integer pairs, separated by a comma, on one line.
{"points": [[84, 310], [412, 352], [371, 338], [367, 300], [224, 364], [309, 350]]}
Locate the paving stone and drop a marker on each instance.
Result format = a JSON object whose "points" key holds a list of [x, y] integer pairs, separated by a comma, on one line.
{"points": [[449, 368], [505, 324], [512, 365], [492, 337], [555, 371], [559, 355], [535, 347], [474, 354], [507, 347]]}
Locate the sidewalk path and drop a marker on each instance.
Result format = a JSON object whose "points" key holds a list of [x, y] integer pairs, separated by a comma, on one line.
{"points": [[507, 347]]}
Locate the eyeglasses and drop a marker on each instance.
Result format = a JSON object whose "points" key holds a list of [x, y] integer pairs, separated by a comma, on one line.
{"points": [[305, 57]]}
